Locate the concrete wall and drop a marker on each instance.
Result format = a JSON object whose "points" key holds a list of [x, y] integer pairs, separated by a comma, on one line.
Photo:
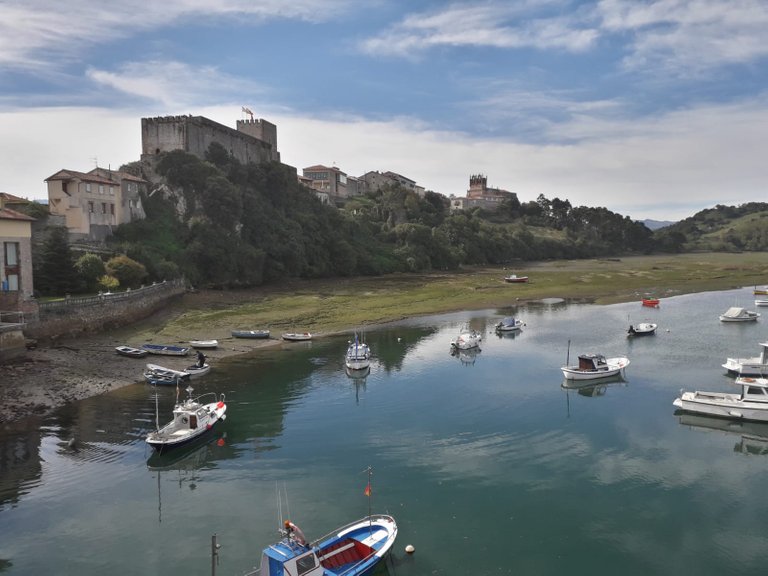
{"points": [[74, 316]]}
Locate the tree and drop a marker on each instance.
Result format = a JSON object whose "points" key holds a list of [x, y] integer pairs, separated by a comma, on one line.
{"points": [[91, 268], [56, 274], [128, 272]]}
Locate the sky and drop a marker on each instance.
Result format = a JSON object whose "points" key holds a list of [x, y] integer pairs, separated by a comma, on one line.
{"points": [[651, 108]]}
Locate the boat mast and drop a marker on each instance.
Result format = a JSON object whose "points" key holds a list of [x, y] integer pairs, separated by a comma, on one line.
{"points": [[157, 412]]}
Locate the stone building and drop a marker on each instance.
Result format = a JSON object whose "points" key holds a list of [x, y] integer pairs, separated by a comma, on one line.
{"points": [[329, 180], [480, 195], [253, 141], [374, 181], [93, 203]]}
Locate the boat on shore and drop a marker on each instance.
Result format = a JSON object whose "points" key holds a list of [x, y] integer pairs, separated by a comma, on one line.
{"points": [[650, 302], [166, 349], [197, 344], [130, 352], [755, 366], [738, 314], [592, 366], [750, 404], [297, 336], [161, 376], [515, 279], [250, 333], [191, 419]]}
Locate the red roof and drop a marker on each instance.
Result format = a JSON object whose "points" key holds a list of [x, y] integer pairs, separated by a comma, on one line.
{"points": [[8, 214], [75, 175]]}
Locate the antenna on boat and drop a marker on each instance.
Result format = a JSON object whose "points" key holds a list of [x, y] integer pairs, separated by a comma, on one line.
{"points": [[367, 492], [157, 411], [568, 354]]}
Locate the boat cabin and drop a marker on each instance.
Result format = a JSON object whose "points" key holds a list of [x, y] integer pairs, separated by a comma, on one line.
{"points": [[288, 557], [754, 389], [591, 362]]}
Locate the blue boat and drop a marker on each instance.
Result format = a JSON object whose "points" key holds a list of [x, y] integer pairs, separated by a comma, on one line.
{"points": [[351, 550], [166, 349]]}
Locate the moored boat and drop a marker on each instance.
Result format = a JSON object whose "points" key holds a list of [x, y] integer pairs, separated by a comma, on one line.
{"points": [[130, 352], [466, 339], [760, 290], [166, 349], [358, 356], [250, 333], [738, 314], [592, 366], [297, 336], [509, 324], [191, 419], [750, 404], [650, 302], [761, 302], [755, 366], [641, 329]]}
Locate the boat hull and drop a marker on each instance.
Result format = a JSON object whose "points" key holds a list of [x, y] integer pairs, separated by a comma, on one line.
{"points": [[254, 334], [131, 352], [723, 405], [614, 367], [297, 337], [205, 344], [165, 350], [746, 367], [174, 434]]}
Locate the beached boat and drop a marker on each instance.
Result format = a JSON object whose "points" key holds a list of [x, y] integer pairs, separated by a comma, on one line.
{"points": [[131, 352], [250, 333], [191, 419], [750, 404], [358, 356], [161, 376], [650, 302], [755, 366], [738, 314], [166, 349], [204, 343], [297, 336], [593, 366], [641, 329], [509, 324], [515, 279], [466, 339], [352, 550]]}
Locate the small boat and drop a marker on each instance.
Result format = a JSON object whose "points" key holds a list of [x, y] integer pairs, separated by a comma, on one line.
{"points": [[641, 329], [738, 314], [593, 366], [297, 336], [760, 291], [650, 302], [509, 324], [166, 349], [191, 419], [162, 376], [250, 333], [195, 371], [203, 343], [757, 366], [352, 550], [466, 340], [750, 404], [761, 302], [515, 279], [131, 352], [358, 356]]}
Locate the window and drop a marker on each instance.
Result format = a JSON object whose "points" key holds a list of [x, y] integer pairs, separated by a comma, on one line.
{"points": [[11, 269], [103, 207], [111, 190], [112, 209], [101, 188], [87, 186], [305, 564], [90, 207]]}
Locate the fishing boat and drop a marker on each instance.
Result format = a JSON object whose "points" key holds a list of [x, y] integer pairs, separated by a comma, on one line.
{"points": [[358, 356], [761, 302], [592, 366], [191, 419], [466, 339], [166, 349], [509, 324], [738, 314], [755, 366], [250, 333], [297, 336], [131, 352], [162, 376], [750, 404], [650, 302], [641, 329], [515, 279], [197, 344]]}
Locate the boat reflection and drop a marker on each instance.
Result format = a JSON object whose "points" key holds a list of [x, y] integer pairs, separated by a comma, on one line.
{"points": [[592, 389], [198, 455], [358, 378], [754, 435], [466, 357]]}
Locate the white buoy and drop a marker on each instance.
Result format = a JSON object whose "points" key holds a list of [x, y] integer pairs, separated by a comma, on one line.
{"points": [[398, 338], [410, 549]]}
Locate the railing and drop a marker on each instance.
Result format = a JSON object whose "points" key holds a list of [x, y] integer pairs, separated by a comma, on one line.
{"points": [[103, 297]]}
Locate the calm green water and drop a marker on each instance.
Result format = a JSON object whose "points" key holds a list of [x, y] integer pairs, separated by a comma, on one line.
{"points": [[487, 464]]}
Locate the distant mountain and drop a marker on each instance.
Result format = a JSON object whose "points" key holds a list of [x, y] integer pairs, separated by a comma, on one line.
{"points": [[656, 224]]}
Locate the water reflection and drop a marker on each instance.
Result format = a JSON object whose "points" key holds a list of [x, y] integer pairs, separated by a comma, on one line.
{"points": [[466, 357], [358, 378], [592, 389], [753, 435]]}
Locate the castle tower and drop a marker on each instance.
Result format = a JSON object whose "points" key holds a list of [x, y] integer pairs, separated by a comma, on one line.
{"points": [[478, 184], [261, 130]]}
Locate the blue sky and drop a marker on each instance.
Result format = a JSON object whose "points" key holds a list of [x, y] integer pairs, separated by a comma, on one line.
{"points": [[653, 109]]}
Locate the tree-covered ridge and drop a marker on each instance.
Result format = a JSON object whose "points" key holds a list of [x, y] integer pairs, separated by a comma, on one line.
{"points": [[722, 228]]}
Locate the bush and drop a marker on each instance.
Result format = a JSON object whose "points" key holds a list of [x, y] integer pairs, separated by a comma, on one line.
{"points": [[129, 273]]}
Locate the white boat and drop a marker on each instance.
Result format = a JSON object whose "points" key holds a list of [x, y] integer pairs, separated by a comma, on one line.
{"points": [[515, 279], [756, 366], [297, 336], [166, 349], [593, 366], [738, 314], [131, 352], [191, 418], [195, 371], [509, 324], [750, 404], [162, 376], [641, 329], [358, 356], [761, 302], [204, 343], [466, 340]]}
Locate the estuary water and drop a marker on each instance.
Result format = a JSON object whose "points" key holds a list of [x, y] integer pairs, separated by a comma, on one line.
{"points": [[486, 462]]}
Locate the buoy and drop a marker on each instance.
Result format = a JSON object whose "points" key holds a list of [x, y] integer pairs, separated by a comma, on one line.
{"points": [[410, 549], [398, 338]]}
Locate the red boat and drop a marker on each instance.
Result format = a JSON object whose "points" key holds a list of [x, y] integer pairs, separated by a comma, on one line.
{"points": [[652, 302]]}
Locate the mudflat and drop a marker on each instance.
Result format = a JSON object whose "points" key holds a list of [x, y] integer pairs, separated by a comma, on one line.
{"points": [[66, 370]]}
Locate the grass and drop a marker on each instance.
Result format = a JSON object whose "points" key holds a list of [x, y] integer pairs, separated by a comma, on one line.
{"points": [[330, 306]]}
